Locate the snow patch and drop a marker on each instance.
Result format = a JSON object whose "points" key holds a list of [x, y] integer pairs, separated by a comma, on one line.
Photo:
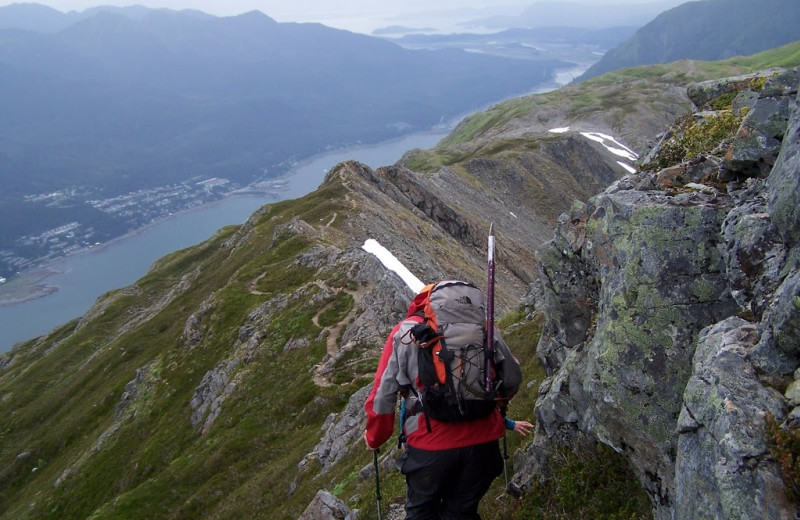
{"points": [[614, 147], [627, 166], [391, 262], [559, 130]]}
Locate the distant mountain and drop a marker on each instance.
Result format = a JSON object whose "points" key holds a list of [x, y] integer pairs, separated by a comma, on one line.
{"points": [[706, 30], [44, 19], [585, 15], [119, 100], [34, 17]]}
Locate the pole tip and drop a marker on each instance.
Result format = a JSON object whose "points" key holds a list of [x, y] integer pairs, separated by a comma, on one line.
{"points": [[491, 228]]}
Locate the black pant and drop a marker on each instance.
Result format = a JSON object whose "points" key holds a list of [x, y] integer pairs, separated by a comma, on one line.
{"points": [[449, 484]]}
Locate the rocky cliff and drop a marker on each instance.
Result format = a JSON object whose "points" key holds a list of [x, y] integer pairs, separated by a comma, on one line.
{"points": [[672, 315]]}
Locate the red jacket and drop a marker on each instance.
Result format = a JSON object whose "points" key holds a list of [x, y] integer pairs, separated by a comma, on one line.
{"points": [[397, 370]]}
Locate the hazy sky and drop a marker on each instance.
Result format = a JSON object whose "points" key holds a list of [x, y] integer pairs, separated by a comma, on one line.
{"points": [[283, 7], [357, 15]]}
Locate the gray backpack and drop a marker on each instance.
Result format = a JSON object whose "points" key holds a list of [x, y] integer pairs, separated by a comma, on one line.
{"points": [[452, 352]]}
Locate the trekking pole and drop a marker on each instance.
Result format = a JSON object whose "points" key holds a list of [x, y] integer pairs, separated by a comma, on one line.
{"points": [[505, 460], [377, 482], [490, 339], [490, 315]]}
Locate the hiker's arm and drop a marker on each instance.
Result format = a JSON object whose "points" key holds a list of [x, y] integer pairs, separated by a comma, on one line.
{"points": [[380, 404]]}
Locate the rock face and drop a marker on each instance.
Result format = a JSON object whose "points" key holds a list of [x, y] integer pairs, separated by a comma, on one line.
{"points": [[673, 322], [325, 506], [341, 431]]}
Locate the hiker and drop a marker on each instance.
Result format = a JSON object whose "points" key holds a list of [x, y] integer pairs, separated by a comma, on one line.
{"points": [[451, 457]]}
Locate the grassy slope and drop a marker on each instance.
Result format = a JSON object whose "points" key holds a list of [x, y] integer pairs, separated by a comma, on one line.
{"points": [[57, 403]]}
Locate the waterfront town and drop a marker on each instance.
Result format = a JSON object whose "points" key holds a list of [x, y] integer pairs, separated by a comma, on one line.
{"points": [[117, 215]]}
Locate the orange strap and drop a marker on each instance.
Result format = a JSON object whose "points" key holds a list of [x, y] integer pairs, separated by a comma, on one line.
{"points": [[430, 316]]}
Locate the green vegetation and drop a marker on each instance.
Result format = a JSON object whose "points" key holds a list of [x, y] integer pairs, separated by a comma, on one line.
{"points": [[590, 481], [787, 56], [784, 447], [337, 311], [446, 155], [494, 117], [140, 456], [693, 138]]}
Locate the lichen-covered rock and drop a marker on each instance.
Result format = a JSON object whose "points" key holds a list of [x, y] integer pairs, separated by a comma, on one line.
{"points": [[784, 316], [754, 251], [340, 432], [758, 142], [784, 201], [672, 316], [705, 91], [207, 399], [193, 329], [722, 469], [662, 281]]}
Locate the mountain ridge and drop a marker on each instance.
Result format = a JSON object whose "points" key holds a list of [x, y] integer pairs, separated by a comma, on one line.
{"points": [[169, 389]]}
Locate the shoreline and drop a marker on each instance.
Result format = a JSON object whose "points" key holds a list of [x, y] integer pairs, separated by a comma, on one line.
{"points": [[28, 286]]}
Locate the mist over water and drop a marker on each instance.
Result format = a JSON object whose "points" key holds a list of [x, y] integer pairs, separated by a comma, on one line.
{"points": [[81, 279]]}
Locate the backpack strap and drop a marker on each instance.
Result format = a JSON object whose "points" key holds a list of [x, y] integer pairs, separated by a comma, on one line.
{"points": [[430, 338], [437, 348]]}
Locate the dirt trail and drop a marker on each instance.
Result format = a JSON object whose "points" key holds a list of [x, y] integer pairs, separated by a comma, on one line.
{"points": [[333, 332], [251, 286]]}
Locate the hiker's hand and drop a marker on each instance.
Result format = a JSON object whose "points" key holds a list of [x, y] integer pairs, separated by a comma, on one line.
{"points": [[370, 448], [523, 427]]}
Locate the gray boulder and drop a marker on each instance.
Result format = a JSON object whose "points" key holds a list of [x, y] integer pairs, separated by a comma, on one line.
{"points": [[326, 506], [758, 141], [722, 468]]}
